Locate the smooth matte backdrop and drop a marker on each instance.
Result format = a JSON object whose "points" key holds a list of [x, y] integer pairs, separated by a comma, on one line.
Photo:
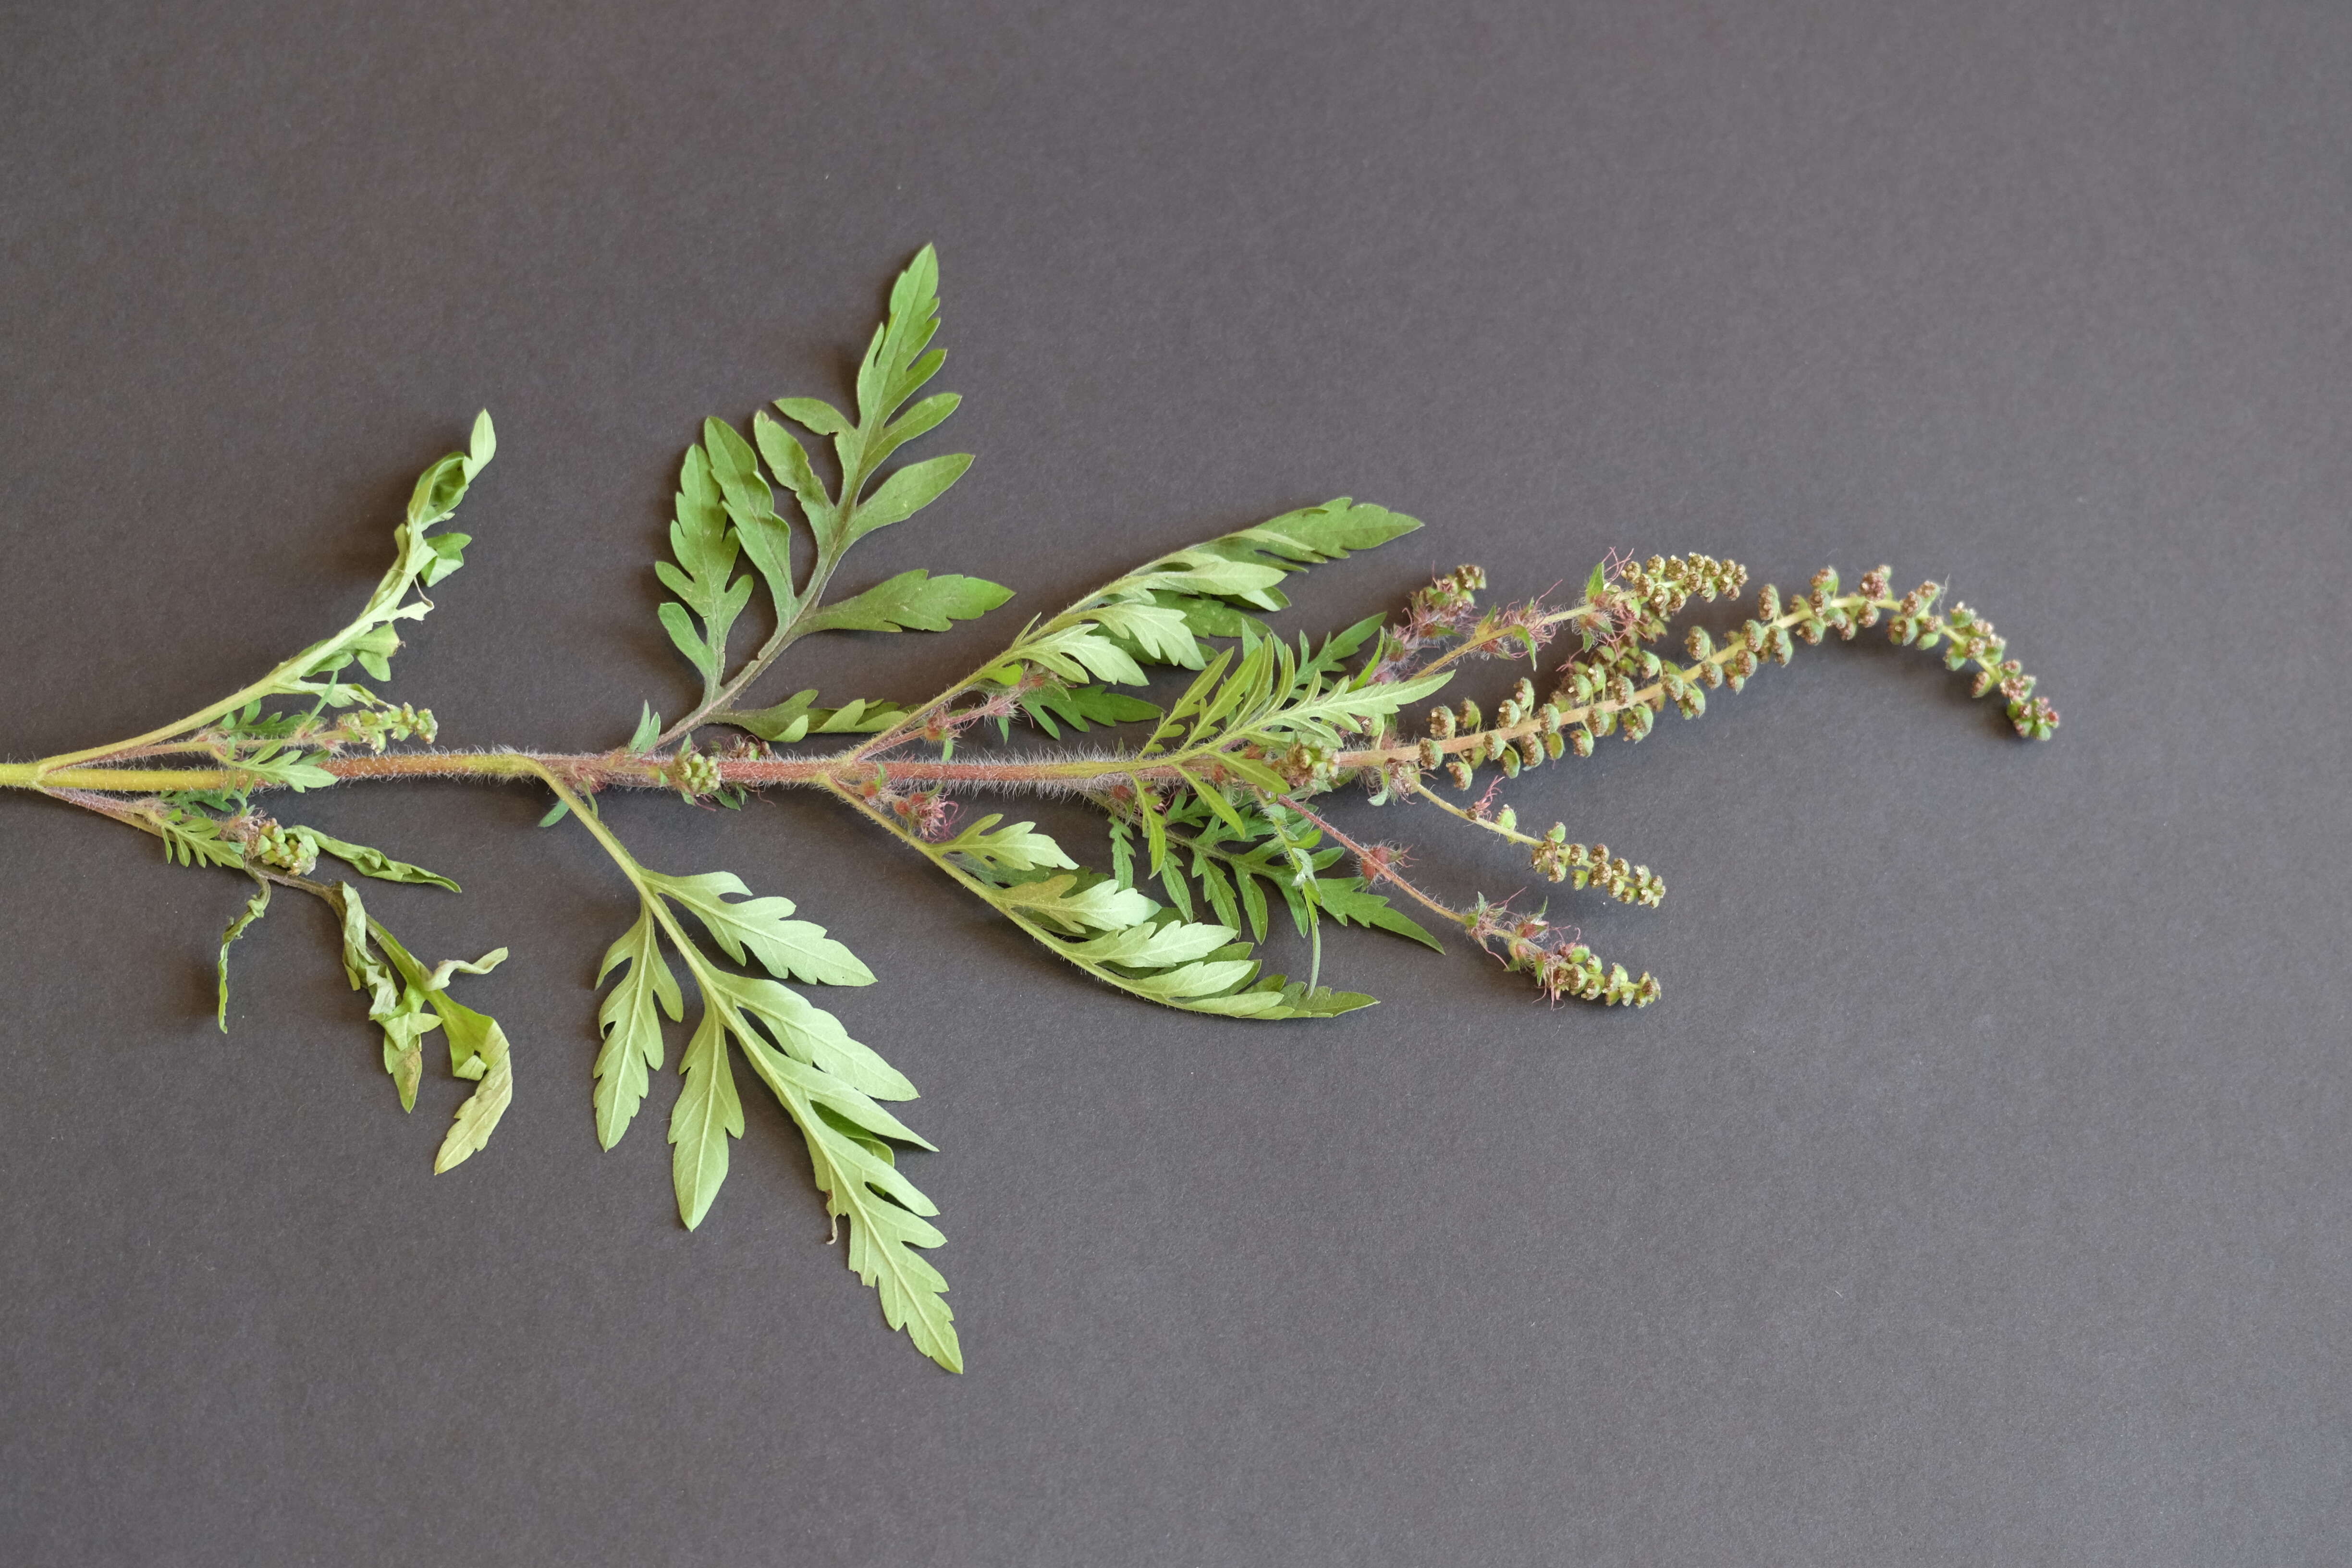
{"points": [[1979, 1191]]}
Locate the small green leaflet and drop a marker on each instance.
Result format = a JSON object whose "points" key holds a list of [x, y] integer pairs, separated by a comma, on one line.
{"points": [[254, 908], [1081, 705], [1020, 847], [373, 863], [401, 1016], [751, 505], [1156, 612], [912, 601], [192, 839], [1078, 902], [632, 1031], [788, 460], [794, 718], [816, 413], [808, 1033], [418, 559], [1346, 900], [478, 1049], [788, 949], [704, 577], [906, 492], [293, 772], [648, 729], [406, 1002], [888, 1215], [708, 1113]]}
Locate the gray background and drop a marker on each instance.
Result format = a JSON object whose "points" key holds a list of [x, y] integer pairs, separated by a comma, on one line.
{"points": [[1978, 1192]]}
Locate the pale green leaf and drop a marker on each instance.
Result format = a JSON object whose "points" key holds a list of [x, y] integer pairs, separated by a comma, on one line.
{"points": [[1101, 905], [751, 505], [1156, 946], [1346, 900], [810, 1034], [478, 1118], [886, 1212], [481, 446], [706, 1114], [680, 627], [255, 908], [788, 461], [374, 863], [919, 420], [1081, 705], [788, 949], [1079, 654], [906, 492], [1020, 847], [631, 1027], [912, 601], [816, 413], [794, 717]]}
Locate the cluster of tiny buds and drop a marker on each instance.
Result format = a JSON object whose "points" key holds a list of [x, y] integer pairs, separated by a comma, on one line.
{"points": [[1561, 965], [1306, 766], [373, 727], [1447, 607], [1663, 585], [1448, 604], [1617, 686], [694, 773], [1512, 753], [1965, 635], [1590, 865], [263, 839]]}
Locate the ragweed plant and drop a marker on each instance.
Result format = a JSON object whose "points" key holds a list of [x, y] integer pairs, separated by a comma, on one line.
{"points": [[1212, 803]]}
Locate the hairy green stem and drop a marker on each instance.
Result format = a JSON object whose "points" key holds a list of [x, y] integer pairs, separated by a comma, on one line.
{"points": [[593, 770]]}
